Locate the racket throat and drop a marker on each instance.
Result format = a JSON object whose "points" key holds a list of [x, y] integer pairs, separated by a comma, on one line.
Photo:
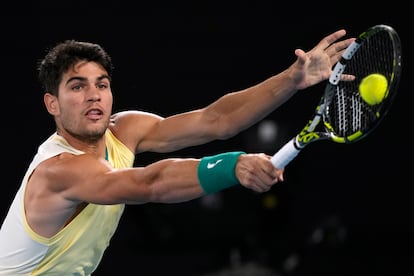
{"points": [[298, 145]]}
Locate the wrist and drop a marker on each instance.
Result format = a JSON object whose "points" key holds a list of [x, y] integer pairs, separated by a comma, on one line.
{"points": [[217, 172]]}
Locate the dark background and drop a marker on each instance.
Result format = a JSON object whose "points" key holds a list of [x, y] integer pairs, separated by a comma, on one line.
{"points": [[343, 209]]}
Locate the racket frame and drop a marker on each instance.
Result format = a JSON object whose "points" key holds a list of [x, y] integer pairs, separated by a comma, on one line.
{"points": [[309, 134]]}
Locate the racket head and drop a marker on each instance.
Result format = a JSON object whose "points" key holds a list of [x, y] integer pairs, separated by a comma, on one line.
{"points": [[346, 117]]}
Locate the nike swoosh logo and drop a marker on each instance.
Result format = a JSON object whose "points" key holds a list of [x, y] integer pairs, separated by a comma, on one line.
{"points": [[212, 165]]}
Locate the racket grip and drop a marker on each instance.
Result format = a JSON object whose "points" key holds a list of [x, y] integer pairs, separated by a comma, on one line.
{"points": [[284, 155]]}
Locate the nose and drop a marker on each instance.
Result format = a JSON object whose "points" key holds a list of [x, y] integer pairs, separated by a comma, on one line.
{"points": [[93, 94]]}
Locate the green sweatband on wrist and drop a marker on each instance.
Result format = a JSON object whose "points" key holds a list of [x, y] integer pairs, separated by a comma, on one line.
{"points": [[217, 172]]}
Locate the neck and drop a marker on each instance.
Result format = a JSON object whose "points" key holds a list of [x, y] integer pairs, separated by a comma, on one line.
{"points": [[94, 146]]}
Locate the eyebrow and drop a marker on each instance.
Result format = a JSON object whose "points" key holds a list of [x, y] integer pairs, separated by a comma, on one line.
{"points": [[85, 79]]}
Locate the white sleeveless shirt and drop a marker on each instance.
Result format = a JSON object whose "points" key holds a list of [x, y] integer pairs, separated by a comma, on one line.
{"points": [[77, 248]]}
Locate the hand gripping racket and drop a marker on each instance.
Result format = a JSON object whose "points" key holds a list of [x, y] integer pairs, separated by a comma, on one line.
{"points": [[342, 115]]}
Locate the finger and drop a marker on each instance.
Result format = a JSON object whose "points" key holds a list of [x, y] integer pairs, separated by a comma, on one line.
{"points": [[347, 77], [336, 50], [301, 55], [328, 40], [259, 181], [280, 177], [268, 177]]}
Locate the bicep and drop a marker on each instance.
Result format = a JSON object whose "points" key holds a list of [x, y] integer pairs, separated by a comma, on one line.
{"points": [[143, 131], [77, 178]]}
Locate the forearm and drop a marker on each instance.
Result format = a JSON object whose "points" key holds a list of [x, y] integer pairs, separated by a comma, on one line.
{"points": [[244, 108], [168, 181], [179, 180]]}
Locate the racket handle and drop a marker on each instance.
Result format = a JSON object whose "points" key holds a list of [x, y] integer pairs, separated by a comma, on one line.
{"points": [[286, 154]]}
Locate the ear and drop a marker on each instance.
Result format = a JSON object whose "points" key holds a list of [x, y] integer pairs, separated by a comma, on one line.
{"points": [[51, 103]]}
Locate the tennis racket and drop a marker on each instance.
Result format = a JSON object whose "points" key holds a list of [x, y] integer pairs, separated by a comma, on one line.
{"points": [[342, 116]]}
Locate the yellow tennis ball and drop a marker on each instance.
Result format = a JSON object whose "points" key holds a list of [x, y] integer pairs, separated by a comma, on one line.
{"points": [[373, 88]]}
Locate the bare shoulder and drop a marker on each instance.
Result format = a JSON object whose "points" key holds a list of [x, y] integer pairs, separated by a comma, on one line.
{"points": [[133, 127], [134, 115], [56, 188], [63, 171]]}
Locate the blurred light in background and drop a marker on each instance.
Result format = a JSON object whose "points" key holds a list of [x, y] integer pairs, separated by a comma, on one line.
{"points": [[267, 136]]}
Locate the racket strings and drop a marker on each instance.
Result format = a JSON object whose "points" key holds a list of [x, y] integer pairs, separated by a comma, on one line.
{"points": [[347, 113]]}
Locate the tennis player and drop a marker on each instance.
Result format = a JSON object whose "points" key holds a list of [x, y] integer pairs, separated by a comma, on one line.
{"points": [[75, 190]]}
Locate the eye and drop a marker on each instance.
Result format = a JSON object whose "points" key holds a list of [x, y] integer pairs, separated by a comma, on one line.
{"points": [[102, 85], [77, 87]]}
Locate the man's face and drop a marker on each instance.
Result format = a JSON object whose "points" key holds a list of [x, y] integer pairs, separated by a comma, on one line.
{"points": [[84, 102]]}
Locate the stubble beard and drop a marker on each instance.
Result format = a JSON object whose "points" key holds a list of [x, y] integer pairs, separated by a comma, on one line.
{"points": [[89, 135]]}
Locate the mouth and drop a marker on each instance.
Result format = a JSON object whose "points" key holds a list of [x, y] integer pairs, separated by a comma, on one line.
{"points": [[94, 114]]}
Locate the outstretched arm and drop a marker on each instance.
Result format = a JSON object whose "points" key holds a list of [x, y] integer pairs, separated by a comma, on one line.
{"points": [[239, 110], [61, 185], [165, 181], [174, 179]]}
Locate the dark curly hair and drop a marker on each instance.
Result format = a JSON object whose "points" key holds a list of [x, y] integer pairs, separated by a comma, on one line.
{"points": [[66, 54]]}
